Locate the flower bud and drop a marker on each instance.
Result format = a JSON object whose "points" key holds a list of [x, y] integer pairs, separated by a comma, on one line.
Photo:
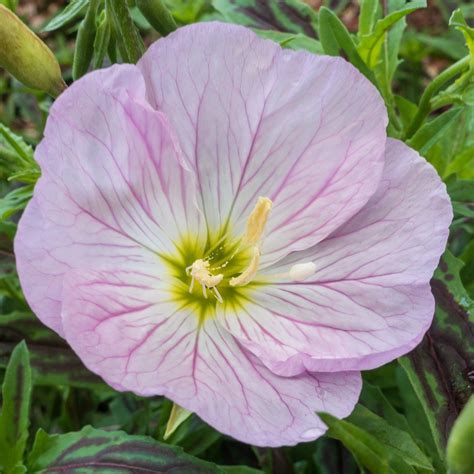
{"points": [[26, 57]]}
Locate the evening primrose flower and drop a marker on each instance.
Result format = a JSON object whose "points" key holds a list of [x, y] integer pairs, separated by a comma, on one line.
{"points": [[227, 224]]}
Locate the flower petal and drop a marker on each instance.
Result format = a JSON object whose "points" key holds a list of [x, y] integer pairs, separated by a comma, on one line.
{"points": [[112, 188], [369, 300], [167, 350], [252, 119]]}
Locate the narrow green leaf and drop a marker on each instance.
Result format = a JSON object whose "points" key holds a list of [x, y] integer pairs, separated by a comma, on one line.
{"points": [[91, 450], [431, 132], [461, 192], [128, 37], [15, 201], [84, 48], [336, 39], [368, 449], [102, 39], [457, 20], [291, 16], [73, 9], [17, 143], [460, 454], [439, 368], [14, 417], [368, 16], [294, 41], [370, 45]]}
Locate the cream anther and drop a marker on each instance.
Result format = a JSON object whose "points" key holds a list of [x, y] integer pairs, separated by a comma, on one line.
{"points": [[199, 271], [256, 221], [302, 271]]}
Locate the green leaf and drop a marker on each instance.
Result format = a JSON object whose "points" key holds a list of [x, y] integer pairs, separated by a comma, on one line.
{"points": [[73, 9], [92, 450], [336, 39], [433, 131], [15, 201], [128, 37], [439, 368], [406, 109], [52, 361], [370, 45], [16, 157], [461, 192], [14, 417], [460, 455], [375, 444], [369, 11], [17, 143], [291, 16], [457, 20], [462, 165], [292, 40]]}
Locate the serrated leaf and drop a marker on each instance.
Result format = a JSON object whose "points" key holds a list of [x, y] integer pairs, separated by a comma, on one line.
{"points": [[15, 201], [370, 45], [291, 16], [52, 361], [14, 417], [92, 450], [459, 22], [17, 143], [441, 368], [74, 9]]}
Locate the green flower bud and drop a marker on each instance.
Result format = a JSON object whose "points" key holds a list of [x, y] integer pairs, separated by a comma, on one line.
{"points": [[26, 57], [157, 15]]}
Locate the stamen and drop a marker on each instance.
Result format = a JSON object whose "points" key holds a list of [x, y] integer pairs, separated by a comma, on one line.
{"points": [[199, 271], [257, 221], [249, 273]]}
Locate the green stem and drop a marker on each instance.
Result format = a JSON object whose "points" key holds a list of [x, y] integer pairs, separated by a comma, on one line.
{"points": [[424, 107]]}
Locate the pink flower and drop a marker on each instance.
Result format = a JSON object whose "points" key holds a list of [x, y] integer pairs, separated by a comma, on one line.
{"points": [[226, 224]]}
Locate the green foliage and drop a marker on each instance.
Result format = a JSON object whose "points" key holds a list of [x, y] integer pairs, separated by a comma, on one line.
{"points": [[376, 444], [405, 420], [438, 368], [70, 12], [460, 455], [14, 416], [291, 16], [110, 451]]}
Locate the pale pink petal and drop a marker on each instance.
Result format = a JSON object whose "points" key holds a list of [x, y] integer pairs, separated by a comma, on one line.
{"points": [[112, 189], [255, 120], [165, 349], [369, 300]]}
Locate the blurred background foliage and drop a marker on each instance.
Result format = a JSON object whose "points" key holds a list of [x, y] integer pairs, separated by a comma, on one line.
{"points": [[418, 56]]}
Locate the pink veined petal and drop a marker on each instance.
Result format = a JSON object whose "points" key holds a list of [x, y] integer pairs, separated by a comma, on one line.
{"points": [[255, 120], [165, 350], [369, 300], [112, 189]]}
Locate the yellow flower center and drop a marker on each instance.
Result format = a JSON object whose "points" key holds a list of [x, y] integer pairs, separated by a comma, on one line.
{"points": [[200, 269], [224, 269]]}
